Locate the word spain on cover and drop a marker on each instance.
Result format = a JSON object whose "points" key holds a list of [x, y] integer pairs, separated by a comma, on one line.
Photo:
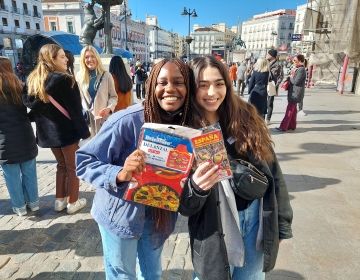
{"points": [[169, 158]]}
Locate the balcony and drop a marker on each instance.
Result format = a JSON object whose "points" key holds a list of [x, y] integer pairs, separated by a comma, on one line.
{"points": [[4, 8], [27, 13], [16, 10], [37, 14]]}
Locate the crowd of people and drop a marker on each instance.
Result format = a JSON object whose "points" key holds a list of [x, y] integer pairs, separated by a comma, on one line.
{"points": [[88, 121]]}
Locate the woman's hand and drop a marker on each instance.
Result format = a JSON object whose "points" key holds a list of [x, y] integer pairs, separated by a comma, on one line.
{"points": [[205, 176], [135, 162], [104, 113]]}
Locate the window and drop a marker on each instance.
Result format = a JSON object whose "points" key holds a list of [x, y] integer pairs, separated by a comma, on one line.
{"points": [[37, 26], [17, 23], [27, 25], [36, 14], [53, 26], [25, 8], [70, 27], [4, 22]]}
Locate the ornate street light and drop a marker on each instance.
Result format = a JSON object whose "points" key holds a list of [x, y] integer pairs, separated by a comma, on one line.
{"points": [[188, 39], [126, 13]]}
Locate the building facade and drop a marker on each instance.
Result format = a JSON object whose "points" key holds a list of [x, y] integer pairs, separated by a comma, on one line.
{"points": [[269, 30], [68, 16], [19, 19]]}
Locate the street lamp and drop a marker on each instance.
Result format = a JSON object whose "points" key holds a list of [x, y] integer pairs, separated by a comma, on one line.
{"points": [[126, 14], [188, 39]]}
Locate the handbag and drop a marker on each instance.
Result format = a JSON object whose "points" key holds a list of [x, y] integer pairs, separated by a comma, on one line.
{"points": [[59, 107], [248, 182], [285, 85], [271, 88]]}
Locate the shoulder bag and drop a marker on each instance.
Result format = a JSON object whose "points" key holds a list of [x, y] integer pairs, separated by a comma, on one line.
{"points": [[87, 113], [248, 182], [271, 88], [59, 107]]}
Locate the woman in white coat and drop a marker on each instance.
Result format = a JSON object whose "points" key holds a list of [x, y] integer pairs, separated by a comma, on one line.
{"points": [[97, 88]]}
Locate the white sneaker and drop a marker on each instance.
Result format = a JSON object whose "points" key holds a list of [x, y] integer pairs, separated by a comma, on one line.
{"points": [[60, 204], [76, 206], [20, 211], [268, 122], [302, 113]]}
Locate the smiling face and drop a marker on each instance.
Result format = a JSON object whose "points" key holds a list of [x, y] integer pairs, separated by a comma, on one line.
{"points": [[210, 93], [90, 60], [170, 88], [61, 60]]}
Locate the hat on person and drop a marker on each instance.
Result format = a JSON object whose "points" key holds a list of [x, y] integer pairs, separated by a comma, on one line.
{"points": [[273, 53]]}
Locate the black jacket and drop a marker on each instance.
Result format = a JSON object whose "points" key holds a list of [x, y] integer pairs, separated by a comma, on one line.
{"points": [[258, 91], [206, 237], [53, 129], [17, 140]]}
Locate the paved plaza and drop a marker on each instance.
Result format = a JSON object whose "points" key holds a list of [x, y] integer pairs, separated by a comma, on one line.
{"points": [[321, 164]]}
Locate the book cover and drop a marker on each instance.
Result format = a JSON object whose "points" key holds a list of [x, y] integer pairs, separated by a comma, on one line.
{"points": [[210, 147], [169, 158]]}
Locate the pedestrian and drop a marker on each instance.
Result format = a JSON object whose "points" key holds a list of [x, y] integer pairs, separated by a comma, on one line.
{"points": [[232, 73], [129, 230], [20, 71], [97, 89], [242, 243], [276, 75], [18, 148], [53, 96], [258, 86], [70, 62], [123, 83], [132, 71], [140, 77], [295, 94], [240, 76], [301, 103]]}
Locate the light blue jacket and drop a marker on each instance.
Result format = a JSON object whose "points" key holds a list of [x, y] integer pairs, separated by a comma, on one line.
{"points": [[99, 162]]}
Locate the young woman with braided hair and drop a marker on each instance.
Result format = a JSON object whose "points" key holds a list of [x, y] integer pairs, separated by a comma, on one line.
{"points": [[129, 230]]}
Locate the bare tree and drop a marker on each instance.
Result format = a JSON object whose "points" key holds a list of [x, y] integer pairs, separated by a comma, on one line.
{"points": [[106, 4]]}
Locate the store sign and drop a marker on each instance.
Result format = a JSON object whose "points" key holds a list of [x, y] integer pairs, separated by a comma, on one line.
{"points": [[296, 37]]}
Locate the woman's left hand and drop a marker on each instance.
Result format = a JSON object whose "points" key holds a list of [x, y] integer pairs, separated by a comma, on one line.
{"points": [[104, 113]]}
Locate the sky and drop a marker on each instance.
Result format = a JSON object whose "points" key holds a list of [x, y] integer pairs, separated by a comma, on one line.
{"points": [[209, 11]]}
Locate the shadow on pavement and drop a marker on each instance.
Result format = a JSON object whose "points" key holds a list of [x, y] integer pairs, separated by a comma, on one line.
{"points": [[328, 112], [283, 275], [301, 183], [67, 276], [328, 128], [82, 236], [177, 274]]}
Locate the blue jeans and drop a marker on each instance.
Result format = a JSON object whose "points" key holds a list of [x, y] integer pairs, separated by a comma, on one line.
{"points": [[123, 256], [253, 264], [21, 181]]}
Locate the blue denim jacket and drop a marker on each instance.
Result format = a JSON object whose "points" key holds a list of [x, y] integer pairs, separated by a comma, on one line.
{"points": [[98, 163]]}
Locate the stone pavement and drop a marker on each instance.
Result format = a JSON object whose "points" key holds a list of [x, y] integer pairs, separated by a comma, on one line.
{"points": [[320, 161]]}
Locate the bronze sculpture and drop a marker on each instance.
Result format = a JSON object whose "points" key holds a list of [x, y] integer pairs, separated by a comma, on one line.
{"points": [[91, 24]]}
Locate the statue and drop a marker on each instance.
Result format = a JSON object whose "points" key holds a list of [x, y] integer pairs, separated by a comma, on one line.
{"points": [[237, 41], [91, 24]]}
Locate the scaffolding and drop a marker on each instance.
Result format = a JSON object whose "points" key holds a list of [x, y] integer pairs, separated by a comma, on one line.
{"points": [[335, 28]]}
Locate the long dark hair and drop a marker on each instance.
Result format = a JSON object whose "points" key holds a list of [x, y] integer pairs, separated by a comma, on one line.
{"points": [[239, 118], [153, 113], [10, 85], [118, 71]]}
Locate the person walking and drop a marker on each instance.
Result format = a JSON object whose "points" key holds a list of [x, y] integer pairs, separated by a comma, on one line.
{"points": [[258, 86], [129, 230], [295, 94], [123, 83], [97, 89], [276, 75], [18, 148], [139, 80], [54, 99], [232, 73], [240, 76], [301, 103], [234, 233]]}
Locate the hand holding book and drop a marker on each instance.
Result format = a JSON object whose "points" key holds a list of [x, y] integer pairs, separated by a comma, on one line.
{"points": [[134, 163]]}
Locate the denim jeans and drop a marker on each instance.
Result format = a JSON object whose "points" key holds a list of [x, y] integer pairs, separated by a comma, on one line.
{"points": [[253, 265], [21, 182], [131, 258]]}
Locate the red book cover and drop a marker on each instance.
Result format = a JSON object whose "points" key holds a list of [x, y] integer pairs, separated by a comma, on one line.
{"points": [[169, 158], [210, 147]]}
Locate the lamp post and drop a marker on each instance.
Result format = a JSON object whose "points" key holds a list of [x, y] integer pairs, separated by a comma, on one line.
{"points": [[126, 14], [188, 39]]}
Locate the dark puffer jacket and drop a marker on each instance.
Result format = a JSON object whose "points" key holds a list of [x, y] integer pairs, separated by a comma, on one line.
{"points": [[53, 128], [17, 140]]}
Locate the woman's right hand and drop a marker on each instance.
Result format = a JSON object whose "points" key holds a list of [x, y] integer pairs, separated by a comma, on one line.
{"points": [[205, 176], [135, 162]]}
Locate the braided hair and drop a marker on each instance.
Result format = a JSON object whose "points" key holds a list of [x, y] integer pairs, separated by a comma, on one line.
{"points": [[152, 111]]}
